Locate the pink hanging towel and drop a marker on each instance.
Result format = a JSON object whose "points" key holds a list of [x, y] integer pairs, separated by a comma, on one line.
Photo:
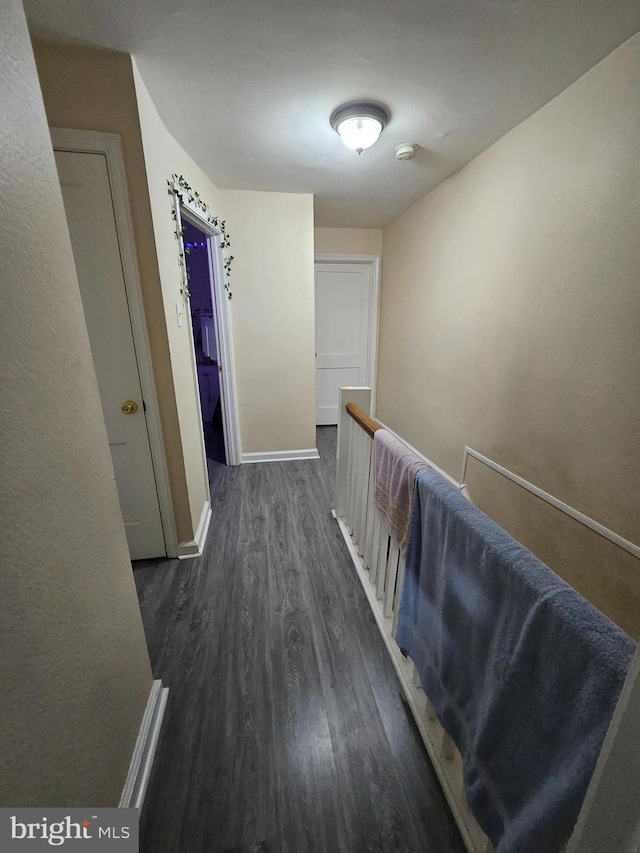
{"points": [[394, 470]]}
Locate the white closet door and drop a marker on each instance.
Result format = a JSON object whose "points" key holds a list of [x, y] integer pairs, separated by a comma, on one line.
{"points": [[86, 191], [344, 305]]}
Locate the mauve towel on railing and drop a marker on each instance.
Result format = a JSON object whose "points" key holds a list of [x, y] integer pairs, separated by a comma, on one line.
{"points": [[394, 472], [522, 672]]}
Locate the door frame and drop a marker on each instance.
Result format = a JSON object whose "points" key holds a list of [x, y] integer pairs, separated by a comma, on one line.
{"points": [[374, 263], [193, 213], [108, 144]]}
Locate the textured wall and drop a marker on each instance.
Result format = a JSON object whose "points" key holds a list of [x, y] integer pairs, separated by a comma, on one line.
{"points": [[348, 241], [509, 306], [600, 570], [73, 663], [164, 157], [273, 310], [87, 89]]}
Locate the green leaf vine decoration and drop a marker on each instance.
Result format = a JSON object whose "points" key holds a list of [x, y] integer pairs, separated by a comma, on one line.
{"points": [[181, 192]]}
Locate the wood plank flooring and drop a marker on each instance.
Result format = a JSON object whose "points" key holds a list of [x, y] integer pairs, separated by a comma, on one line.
{"points": [[285, 731]]}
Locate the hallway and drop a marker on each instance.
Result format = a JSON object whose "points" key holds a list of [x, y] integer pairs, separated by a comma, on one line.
{"points": [[285, 730]]}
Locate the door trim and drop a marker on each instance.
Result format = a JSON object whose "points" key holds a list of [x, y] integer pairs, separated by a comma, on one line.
{"points": [[374, 262], [193, 213], [108, 144]]}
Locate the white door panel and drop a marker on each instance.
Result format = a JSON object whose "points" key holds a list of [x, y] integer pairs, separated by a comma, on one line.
{"points": [[337, 360], [86, 191], [327, 383], [344, 306]]}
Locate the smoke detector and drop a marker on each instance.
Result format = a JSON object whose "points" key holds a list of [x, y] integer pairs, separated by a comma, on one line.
{"points": [[406, 151]]}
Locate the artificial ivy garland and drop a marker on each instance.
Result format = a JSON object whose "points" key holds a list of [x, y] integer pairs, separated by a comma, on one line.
{"points": [[180, 189]]}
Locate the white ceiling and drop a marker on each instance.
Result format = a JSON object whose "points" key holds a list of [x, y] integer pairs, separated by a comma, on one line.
{"points": [[247, 86]]}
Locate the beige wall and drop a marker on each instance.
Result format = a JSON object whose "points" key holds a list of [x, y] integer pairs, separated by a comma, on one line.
{"points": [[273, 313], [574, 551], [510, 303], [101, 90], [88, 89], [348, 241], [163, 158], [73, 663]]}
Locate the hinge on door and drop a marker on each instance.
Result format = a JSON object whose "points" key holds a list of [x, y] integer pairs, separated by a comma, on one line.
{"points": [[219, 368]]}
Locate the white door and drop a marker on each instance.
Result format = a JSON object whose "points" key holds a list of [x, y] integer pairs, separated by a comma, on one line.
{"points": [[345, 329], [86, 191]]}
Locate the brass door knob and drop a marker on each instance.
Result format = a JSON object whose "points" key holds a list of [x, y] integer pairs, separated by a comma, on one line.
{"points": [[129, 407]]}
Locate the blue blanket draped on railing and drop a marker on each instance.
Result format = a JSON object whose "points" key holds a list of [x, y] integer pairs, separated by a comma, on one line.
{"points": [[522, 672]]}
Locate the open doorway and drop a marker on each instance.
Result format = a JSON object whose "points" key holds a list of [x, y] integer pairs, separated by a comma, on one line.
{"points": [[203, 323], [208, 268]]}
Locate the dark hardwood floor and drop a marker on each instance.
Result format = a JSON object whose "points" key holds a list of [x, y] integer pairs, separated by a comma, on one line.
{"points": [[285, 730]]}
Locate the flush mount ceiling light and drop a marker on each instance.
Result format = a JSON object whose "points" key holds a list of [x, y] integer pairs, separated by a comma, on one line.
{"points": [[360, 124]]}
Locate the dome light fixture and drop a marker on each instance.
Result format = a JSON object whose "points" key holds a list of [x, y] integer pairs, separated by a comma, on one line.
{"points": [[360, 124]]}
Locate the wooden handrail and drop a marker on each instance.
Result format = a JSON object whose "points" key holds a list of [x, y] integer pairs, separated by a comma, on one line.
{"points": [[362, 419]]}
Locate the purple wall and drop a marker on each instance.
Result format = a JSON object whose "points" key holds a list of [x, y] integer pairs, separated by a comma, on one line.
{"points": [[201, 304], [198, 266]]}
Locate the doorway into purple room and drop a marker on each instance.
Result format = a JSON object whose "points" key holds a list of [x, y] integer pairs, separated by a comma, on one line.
{"points": [[204, 339]]}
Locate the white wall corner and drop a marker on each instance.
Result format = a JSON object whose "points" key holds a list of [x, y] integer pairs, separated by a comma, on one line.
{"points": [[195, 548]]}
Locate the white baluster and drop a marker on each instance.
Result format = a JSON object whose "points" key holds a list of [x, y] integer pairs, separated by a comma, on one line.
{"points": [[362, 398], [381, 578], [361, 438], [351, 475], [369, 511], [392, 574], [375, 546], [396, 599], [366, 485]]}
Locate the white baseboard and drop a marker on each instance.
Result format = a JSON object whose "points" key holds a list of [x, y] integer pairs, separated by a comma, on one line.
{"points": [[190, 550], [281, 455], [135, 786]]}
